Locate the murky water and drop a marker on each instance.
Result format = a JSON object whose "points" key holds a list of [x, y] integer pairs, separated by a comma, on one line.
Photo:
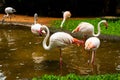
{"points": [[22, 56]]}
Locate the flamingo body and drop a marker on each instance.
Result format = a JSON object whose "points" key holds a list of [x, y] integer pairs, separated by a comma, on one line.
{"points": [[85, 28], [35, 29], [88, 29], [60, 39], [92, 43]]}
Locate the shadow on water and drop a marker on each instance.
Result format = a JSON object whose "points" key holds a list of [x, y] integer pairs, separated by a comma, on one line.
{"points": [[23, 57]]}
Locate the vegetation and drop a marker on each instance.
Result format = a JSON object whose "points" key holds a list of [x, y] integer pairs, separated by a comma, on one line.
{"points": [[77, 77], [113, 26]]}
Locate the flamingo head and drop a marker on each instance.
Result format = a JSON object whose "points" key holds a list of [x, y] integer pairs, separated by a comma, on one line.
{"points": [[90, 46], [105, 23], [78, 42], [13, 10], [66, 14], [36, 16], [42, 31]]}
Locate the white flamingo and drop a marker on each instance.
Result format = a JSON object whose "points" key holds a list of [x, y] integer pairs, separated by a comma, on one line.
{"points": [[59, 39], [8, 11], [88, 29], [35, 28], [66, 15], [92, 44]]}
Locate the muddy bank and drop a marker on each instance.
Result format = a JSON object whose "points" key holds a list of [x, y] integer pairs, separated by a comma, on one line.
{"points": [[27, 21]]}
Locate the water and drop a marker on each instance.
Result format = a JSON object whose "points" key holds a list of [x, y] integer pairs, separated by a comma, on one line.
{"points": [[22, 56]]}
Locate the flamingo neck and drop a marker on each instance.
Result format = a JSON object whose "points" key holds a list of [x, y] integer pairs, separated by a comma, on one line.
{"points": [[98, 30], [62, 22], [45, 39], [35, 18]]}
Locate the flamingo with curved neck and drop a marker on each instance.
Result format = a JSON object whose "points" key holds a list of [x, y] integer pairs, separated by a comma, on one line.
{"points": [[66, 15], [105, 23], [59, 39], [87, 28]]}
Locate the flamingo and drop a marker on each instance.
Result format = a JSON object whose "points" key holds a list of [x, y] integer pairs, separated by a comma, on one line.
{"points": [[60, 40], [35, 28], [92, 44], [66, 15], [8, 11], [87, 28]]}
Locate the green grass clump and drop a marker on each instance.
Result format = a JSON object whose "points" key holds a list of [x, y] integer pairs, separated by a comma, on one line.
{"points": [[113, 26], [77, 77]]}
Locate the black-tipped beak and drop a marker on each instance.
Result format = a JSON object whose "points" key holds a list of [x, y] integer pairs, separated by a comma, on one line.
{"points": [[106, 25]]}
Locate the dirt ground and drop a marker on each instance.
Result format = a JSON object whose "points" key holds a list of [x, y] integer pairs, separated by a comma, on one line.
{"points": [[29, 19]]}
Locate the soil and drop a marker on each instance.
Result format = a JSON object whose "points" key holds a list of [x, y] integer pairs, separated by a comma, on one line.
{"points": [[29, 19]]}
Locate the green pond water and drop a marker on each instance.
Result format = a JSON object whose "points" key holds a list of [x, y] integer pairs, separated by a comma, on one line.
{"points": [[22, 56]]}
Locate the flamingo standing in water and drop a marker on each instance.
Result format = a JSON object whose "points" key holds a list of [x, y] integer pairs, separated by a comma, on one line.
{"points": [[35, 28], [92, 44], [8, 11], [88, 29], [66, 15], [59, 39]]}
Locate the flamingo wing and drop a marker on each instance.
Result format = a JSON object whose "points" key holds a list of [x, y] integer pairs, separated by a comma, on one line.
{"points": [[92, 43], [60, 39]]}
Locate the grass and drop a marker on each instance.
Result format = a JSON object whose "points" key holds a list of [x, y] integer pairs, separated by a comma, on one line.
{"points": [[77, 77], [113, 26]]}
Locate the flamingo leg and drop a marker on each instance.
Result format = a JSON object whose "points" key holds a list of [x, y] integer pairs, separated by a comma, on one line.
{"points": [[93, 57], [89, 58], [60, 59]]}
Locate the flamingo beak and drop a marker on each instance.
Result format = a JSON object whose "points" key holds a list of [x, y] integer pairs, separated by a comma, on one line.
{"points": [[106, 25], [40, 32]]}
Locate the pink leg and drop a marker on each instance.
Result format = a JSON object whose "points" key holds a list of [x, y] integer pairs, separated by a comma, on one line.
{"points": [[89, 58], [93, 58], [60, 59]]}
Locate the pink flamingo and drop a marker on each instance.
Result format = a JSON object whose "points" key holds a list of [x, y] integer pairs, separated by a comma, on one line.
{"points": [[35, 28], [88, 29], [66, 15], [60, 40], [8, 11], [92, 44]]}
